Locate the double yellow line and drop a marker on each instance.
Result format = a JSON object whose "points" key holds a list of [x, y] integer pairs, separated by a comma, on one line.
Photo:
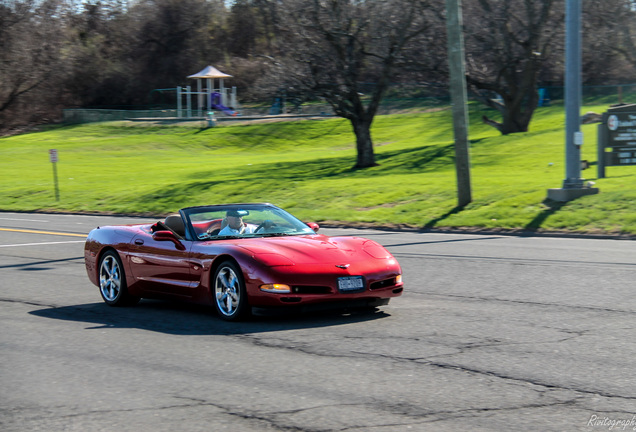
{"points": [[43, 232]]}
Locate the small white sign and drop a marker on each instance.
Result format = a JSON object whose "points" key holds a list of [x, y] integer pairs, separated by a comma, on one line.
{"points": [[53, 155], [578, 138]]}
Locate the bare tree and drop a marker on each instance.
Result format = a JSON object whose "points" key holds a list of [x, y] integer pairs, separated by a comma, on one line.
{"points": [[609, 31], [626, 46], [507, 43], [171, 39], [30, 61], [242, 28], [333, 47], [99, 53]]}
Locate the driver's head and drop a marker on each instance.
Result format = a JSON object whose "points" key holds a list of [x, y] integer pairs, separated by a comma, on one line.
{"points": [[234, 219]]}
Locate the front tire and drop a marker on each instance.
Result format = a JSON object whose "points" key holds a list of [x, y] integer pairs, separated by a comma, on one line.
{"points": [[230, 296], [112, 281]]}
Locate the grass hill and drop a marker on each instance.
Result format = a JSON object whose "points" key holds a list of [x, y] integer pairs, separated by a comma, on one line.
{"points": [[305, 167]]}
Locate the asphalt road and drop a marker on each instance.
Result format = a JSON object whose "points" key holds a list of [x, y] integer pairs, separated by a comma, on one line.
{"points": [[492, 333]]}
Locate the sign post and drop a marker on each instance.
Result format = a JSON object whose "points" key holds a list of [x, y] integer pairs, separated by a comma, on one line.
{"points": [[53, 158]]}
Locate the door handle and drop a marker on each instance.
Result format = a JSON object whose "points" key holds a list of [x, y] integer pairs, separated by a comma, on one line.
{"points": [[139, 241]]}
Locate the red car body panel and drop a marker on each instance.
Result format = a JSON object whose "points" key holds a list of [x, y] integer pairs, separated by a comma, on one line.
{"points": [[184, 269]]}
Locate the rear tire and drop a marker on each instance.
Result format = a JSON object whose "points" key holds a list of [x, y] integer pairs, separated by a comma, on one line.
{"points": [[230, 296], [112, 281]]}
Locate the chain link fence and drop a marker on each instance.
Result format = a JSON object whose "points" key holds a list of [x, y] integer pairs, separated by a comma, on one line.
{"points": [[402, 98]]}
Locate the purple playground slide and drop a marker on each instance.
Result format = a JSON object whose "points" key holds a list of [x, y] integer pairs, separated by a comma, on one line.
{"points": [[215, 103]]}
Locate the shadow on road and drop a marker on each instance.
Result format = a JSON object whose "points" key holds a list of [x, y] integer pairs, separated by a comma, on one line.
{"points": [[188, 319], [426, 242]]}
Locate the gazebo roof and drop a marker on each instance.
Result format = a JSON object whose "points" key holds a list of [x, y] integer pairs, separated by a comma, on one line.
{"points": [[210, 72]]}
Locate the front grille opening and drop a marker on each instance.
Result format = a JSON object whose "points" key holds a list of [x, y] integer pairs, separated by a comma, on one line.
{"points": [[310, 289], [382, 284], [290, 299]]}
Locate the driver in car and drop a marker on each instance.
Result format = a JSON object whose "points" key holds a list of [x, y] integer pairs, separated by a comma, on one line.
{"points": [[235, 224]]}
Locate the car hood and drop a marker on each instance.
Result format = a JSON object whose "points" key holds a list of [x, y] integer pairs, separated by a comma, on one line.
{"points": [[317, 249]]}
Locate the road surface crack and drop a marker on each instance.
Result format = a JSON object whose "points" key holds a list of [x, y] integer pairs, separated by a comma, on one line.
{"points": [[525, 380]]}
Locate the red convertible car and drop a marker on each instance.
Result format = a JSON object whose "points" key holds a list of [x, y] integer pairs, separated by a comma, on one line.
{"points": [[238, 257]]}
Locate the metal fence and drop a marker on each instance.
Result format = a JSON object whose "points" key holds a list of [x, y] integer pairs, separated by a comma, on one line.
{"points": [[595, 94], [75, 116], [80, 115], [399, 99]]}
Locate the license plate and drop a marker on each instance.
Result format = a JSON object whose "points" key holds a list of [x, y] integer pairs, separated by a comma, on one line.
{"points": [[351, 283]]}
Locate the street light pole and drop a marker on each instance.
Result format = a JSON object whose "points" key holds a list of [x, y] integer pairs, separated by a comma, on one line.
{"points": [[573, 136], [573, 183]]}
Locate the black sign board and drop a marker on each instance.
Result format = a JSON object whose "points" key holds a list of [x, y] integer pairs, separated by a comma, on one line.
{"points": [[621, 156], [617, 138]]}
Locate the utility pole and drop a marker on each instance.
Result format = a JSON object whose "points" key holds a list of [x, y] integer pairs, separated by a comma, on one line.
{"points": [[573, 183], [457, 67]]}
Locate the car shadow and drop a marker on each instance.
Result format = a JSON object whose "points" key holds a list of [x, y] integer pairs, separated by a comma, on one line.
{"points": [[189, 319]]}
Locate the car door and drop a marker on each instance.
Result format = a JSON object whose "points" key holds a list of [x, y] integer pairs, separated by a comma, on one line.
{"points": [[162, 266]]}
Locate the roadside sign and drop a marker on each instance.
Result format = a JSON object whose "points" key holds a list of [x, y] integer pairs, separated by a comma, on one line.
{"points": [[617, 138], [53, 158], [53, 155], [622, 129]]}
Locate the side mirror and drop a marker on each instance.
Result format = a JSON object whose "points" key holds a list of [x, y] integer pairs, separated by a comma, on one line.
{"points": [[314, 226], [168, 236]]}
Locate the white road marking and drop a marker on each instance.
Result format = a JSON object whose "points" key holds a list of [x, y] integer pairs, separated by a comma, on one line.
{"points": [[22, 220], [43, 243]]}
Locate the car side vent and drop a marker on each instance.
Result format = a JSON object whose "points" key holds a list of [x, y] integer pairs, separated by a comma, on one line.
{"points": [[309, 289], [382, 284]]}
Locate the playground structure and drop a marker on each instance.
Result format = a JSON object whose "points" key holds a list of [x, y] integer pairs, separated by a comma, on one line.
{"points": [[200, 104], [208, 98]]}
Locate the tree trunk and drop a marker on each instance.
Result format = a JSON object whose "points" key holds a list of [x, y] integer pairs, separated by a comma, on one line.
{"points": [[516, 112], [364, 144]]}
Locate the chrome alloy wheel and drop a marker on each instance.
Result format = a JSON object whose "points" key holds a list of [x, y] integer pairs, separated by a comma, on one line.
{"points": [[227, 289], [110, 278]]}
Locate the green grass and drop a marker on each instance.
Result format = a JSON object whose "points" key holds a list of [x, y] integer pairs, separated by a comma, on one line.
{"points": [[305, 167]]}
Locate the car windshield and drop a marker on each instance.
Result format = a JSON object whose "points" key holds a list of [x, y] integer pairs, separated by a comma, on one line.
{"points": [[238, 221]]}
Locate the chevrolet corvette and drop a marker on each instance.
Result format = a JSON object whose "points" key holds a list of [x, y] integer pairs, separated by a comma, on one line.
{"points": [[238, 257]]}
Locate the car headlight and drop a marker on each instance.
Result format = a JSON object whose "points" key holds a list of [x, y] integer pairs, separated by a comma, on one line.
{"points": [[276, 288]]}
